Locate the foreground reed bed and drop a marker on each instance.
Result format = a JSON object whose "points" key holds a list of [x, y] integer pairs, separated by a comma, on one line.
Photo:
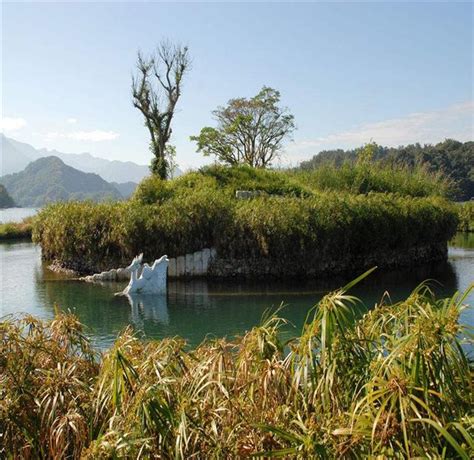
{"points": [[395, 382]]}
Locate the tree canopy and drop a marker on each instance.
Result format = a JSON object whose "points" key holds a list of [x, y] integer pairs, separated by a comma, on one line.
{"points": [[249, 130]]}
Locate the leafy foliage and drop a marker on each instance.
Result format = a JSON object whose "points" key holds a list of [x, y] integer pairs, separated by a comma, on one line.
{"points": [[395, 383], [249, 131], [466, 216], [452, 158], [364, 177], [290, 218], [16, 230]]}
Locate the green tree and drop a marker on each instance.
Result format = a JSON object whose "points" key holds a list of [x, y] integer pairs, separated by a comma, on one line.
{"points": [[155, 90], [249, 131], [366, 154]]}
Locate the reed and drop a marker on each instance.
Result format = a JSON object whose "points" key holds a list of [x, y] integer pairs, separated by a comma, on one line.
{"points": [[466, 216], [396, 382], [16, 230], [296, 216]]}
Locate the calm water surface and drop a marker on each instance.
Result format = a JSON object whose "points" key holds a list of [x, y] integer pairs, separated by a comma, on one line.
{"points": [[195, 309], [16, 214]]}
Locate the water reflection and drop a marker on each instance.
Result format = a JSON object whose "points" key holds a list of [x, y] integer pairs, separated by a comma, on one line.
{"points": [[195, 309], [148, 308]]}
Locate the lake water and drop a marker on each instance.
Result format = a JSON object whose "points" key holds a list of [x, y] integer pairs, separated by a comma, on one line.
{"points": [[195, 309], [16, 214]]}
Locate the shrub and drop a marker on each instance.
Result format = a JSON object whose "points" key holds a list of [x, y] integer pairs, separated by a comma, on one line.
{"points": [[226, 180], [244, 177], [199, 209], [396, 383], [374, 177], [336, 225], [185, 223], [328, 226], [466, 216], [80, 235], [16, 230]]}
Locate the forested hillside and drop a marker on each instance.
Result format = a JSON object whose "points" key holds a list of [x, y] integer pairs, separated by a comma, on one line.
{"points": [[6, 200], [48, 180], [455, 159]]}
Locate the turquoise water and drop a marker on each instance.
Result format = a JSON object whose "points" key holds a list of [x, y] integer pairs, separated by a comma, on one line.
{"points": [[194, 309]]}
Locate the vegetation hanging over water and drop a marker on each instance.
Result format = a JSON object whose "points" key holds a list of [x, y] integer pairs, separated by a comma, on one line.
{"points": [[16, 230], [297, 215], [394, 383]]}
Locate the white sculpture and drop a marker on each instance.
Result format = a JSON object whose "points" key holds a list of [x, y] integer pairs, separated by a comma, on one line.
{"points": [[152, 279]]}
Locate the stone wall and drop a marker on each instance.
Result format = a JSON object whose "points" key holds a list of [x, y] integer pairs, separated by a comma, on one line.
{"points": [[207, 263], [269, 268], [191, 265]]}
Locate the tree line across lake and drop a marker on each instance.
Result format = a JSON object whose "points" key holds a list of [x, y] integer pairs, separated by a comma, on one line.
{"points": [[452, 158]]}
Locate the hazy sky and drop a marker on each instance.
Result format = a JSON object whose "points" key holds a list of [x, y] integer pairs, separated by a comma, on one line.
{"points": [[350, 72]]}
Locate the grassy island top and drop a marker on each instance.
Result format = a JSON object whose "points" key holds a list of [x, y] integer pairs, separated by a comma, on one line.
{"points": [[342, 211]]}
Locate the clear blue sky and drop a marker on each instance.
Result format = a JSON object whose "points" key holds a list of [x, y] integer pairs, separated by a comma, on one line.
{"points": [[393, 72]]}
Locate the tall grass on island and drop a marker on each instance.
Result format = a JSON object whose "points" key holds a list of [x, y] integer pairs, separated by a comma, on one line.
{"points": [[394, 383], [296, 215], [466, 216]]}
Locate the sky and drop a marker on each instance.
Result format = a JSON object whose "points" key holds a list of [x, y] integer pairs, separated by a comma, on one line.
{"points": [[351, 73]]}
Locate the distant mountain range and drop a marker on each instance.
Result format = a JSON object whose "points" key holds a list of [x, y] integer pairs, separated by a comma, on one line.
{"points": [[17, 155], [125, 188], [49, 179], [119, 178]]}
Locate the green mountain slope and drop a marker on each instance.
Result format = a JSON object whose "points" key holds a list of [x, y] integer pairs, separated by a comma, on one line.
{"points": [[125, 189], [49, 179], [6, 200]]}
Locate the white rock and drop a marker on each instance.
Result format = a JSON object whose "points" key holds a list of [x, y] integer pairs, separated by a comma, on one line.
{"points": [[197, 262], [189, 270], [180, 266], [172, 268], [205, 257]]}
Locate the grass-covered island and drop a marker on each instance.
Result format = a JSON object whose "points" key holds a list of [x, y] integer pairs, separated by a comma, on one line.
{"points": [[301, 223], [16, 230], [394, 383]]}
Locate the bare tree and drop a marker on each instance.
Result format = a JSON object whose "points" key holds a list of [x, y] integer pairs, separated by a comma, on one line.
{"points": [[249, 131], [156, 89]]}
